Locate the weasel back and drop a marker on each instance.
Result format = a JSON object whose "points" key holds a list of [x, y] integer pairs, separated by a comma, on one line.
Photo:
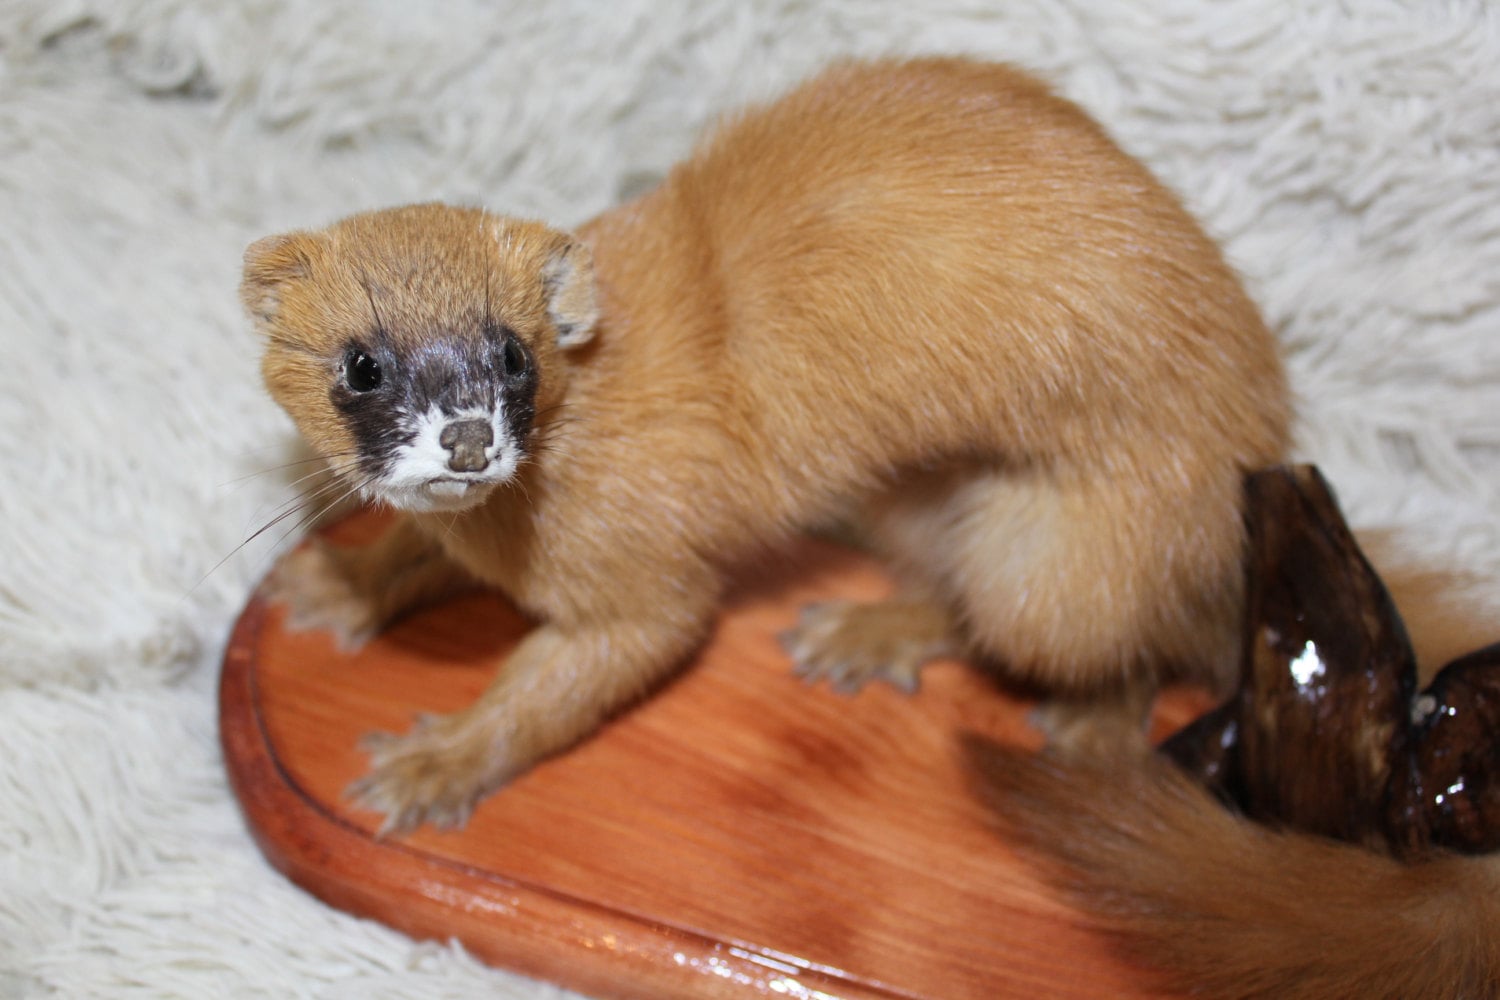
{"points": [[942, 223]]}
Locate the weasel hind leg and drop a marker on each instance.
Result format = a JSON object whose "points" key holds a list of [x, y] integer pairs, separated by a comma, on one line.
{"points": [[1091, 593]]}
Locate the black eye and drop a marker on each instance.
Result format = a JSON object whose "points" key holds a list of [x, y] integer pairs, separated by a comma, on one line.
{"points": [[361, 372], [513, 356]]}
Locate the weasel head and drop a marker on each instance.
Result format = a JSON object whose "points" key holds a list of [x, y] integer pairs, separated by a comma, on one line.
{"points": [[415, 347]]}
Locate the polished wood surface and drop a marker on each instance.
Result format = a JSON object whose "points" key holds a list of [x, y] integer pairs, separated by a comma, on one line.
{"points": [[740, 834]]}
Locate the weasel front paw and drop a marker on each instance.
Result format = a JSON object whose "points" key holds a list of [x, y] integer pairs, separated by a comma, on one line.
{"points": [[433, 774], [315, 584]]}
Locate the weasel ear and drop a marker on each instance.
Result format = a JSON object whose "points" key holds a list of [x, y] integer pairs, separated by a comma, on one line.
{"points": [[568, 277], [269, 264]]}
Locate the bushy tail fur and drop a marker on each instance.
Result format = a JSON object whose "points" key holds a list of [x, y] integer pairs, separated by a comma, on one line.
{"points": [[1221, 907], [1226, 907]]}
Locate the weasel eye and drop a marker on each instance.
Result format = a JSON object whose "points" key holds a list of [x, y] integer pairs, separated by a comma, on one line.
{"points": [[513, 356], [361, 372]]}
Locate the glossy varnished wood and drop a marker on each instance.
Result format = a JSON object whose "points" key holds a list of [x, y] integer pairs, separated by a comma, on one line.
{"points": [[739, 834]]}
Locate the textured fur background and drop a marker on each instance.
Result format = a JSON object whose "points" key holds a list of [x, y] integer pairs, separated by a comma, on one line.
{"points": [[1349, 155]]}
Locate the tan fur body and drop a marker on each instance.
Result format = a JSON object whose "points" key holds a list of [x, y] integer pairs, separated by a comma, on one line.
{"points": [[931, 290]]}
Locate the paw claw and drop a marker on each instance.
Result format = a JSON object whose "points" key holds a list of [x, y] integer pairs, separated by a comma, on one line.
{"points": [[397, 824], [375, 743]]}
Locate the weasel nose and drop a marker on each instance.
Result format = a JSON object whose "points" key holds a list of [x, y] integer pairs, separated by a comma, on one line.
{"points": [[466, 441]]}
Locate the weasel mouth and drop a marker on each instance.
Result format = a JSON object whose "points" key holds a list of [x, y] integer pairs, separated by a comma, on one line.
{"points": [[439, 493], [444, 486], [448, 493]]}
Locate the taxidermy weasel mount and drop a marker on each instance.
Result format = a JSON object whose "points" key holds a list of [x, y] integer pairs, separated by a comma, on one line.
{"points": [[931, 292]]}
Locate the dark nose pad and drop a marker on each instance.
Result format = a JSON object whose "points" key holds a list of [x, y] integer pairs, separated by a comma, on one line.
{"points": [[466, 441]]}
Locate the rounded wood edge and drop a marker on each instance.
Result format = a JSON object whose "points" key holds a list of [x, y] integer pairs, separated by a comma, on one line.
{"points": [[573, 942]]}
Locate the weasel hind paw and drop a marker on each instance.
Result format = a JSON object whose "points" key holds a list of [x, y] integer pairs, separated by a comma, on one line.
{"points": [[849, 644], [1091, 732]]}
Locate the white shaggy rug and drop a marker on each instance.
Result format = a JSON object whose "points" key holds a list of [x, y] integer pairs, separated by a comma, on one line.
{"points": [[1349, 155]]}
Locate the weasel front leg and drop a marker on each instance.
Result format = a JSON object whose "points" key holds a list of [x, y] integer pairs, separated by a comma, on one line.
{"points": [[849, 643], [555, 688], [354, 591]]}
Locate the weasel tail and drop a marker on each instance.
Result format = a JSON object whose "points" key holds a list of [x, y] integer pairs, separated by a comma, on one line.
{"points": [[1219, 906], [1327, 737]]}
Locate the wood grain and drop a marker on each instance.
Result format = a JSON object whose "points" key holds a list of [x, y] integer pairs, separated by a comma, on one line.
{"points": [[737, 835]]}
